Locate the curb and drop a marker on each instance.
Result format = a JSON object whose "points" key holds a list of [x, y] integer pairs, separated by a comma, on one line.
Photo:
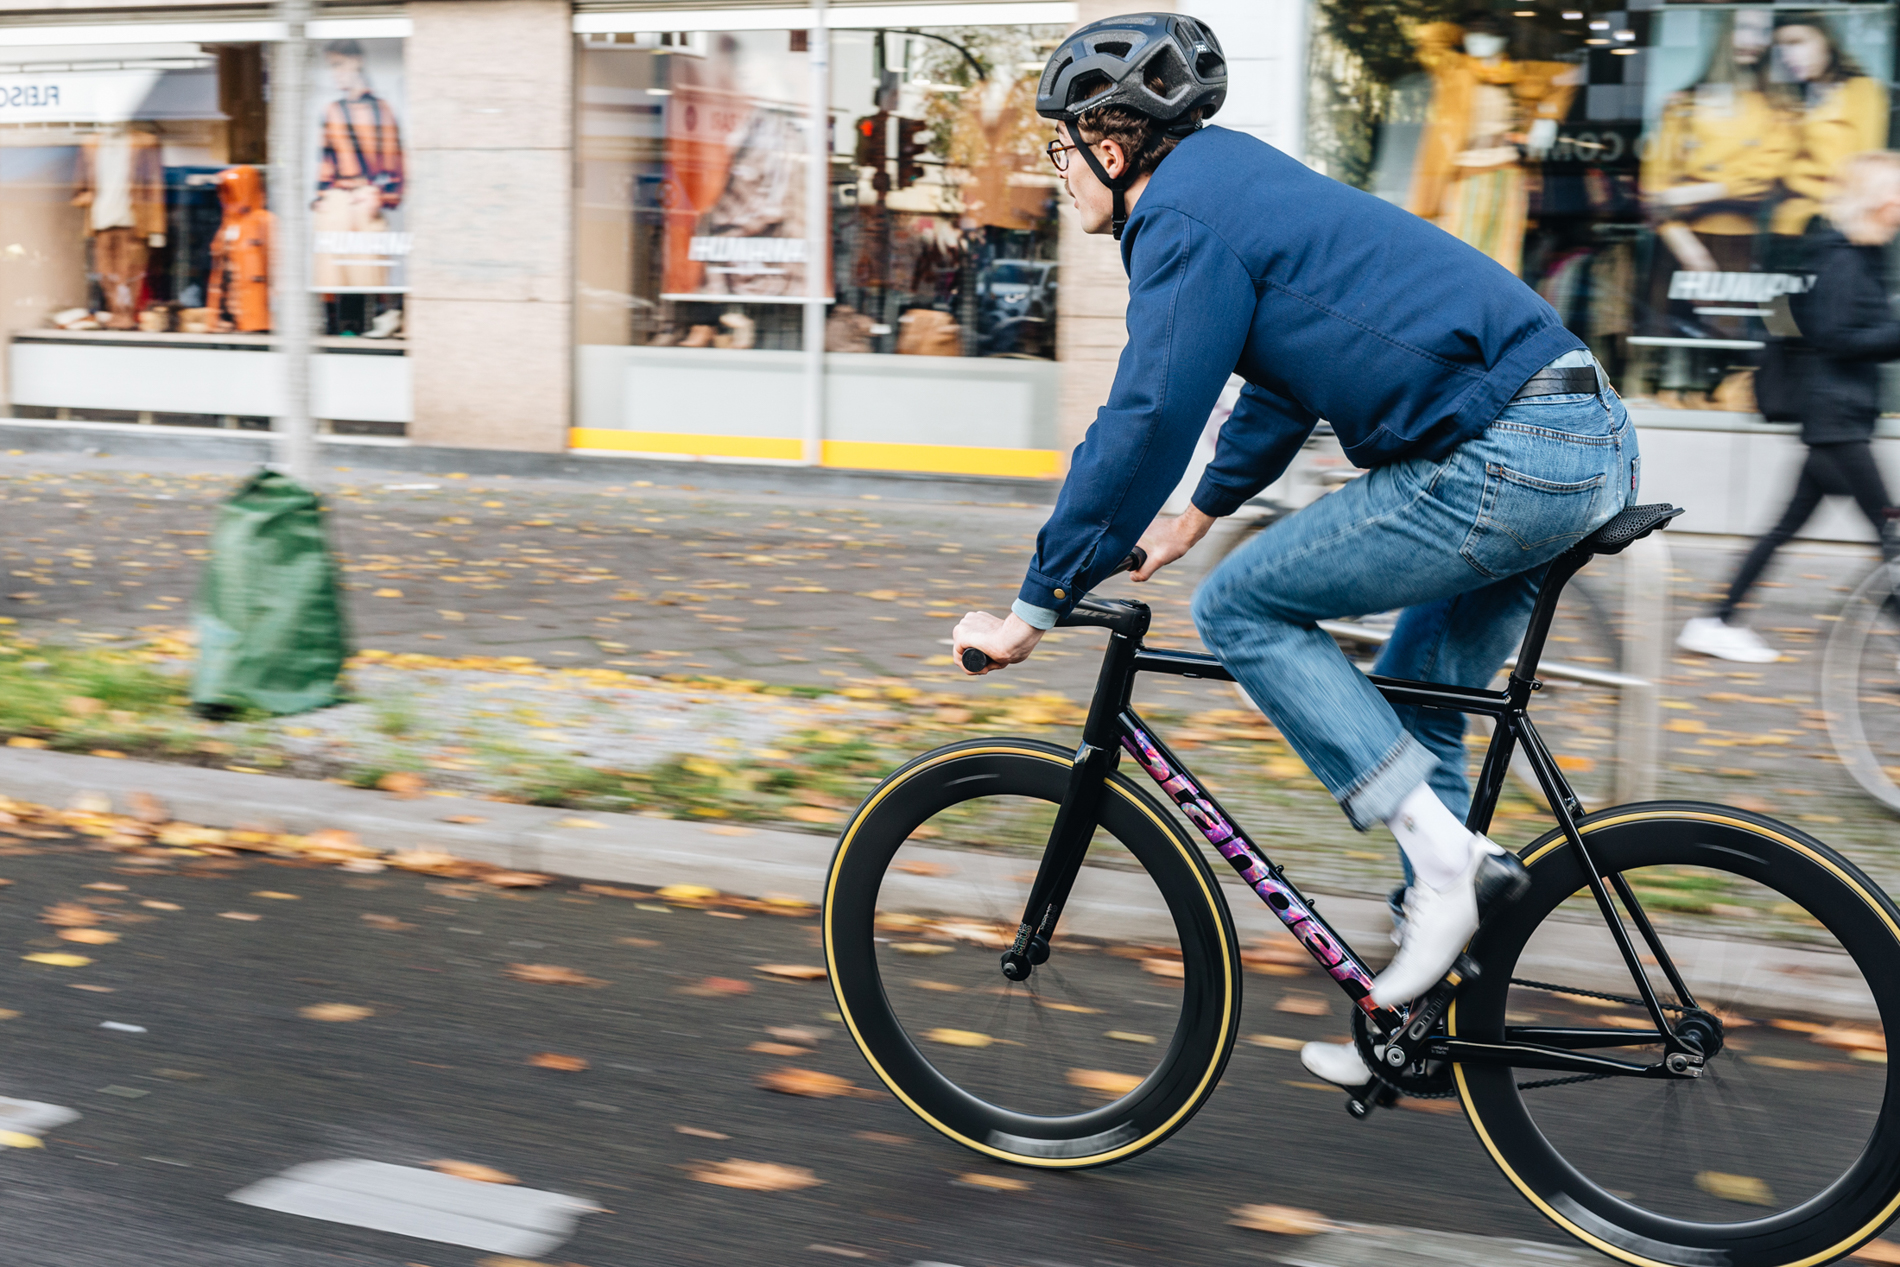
{"points": [[754, 861], [131, 440]]}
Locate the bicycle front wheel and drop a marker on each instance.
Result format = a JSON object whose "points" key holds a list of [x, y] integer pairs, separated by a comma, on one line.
{"points": [[1113, 1043], [1860, 687], [1786, 1151]]}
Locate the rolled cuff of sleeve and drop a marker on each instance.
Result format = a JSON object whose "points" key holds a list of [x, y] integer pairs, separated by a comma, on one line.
{"points": [[1218, 502], [1046, 592], [1040, 617]]}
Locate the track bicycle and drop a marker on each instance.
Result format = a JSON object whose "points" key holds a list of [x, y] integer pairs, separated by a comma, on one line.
{"points": [[1860, 685], [1034, 954]]}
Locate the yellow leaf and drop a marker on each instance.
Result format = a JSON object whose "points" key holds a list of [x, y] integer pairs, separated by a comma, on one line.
{"points": [[554, 1060], [57, 960], [24, 741], [792, 971], [1123, 1036], [388, 593], [807, 1082], [1742, 1189], [88, 936], [920, 948], [1276, 1042], [274, 895], [687, 893], [550, 974], [335, 1012], [16, 1139], [755, 1176], [1102, 1081], [1282, 1220], [1002, 1183], [473, 1170], [1164, 967], [576, 822], [958, 1037], [812, 814]]}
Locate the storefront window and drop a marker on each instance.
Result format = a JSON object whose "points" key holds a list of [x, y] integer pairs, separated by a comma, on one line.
{"points": [[693, 152], [356, 216], [1656, 172]]}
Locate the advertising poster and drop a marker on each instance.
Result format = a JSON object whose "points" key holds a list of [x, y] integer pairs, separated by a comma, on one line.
{"points": [[358, 105]]}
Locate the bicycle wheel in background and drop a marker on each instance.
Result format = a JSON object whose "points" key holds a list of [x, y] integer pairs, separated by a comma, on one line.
{"points": [[1787, 1150], [1109, 1046], [1860, 687]]}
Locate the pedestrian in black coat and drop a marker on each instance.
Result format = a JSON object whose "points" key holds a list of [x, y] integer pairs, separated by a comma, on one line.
{"points": [[1848, 325]]}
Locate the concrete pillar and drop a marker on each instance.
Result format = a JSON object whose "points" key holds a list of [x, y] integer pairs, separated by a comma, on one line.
{"points": [[490, 143], [1265, 43]]}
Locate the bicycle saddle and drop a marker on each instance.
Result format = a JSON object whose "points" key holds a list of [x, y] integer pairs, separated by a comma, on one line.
{"points": [[1632, 523]]}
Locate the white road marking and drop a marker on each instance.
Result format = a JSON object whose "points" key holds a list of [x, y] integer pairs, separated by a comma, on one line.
{"points": [[425, 1204], [122, 1027]]}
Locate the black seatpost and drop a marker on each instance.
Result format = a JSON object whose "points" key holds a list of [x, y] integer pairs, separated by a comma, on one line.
{"points": [[1531, 650]]}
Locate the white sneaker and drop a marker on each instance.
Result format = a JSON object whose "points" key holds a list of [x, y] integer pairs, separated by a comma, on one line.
{"points": [[1712, 636], [1438, 922], [1338, 1063]]}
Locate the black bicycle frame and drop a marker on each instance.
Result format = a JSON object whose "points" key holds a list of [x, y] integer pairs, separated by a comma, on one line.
{"points": [[1113, 727]]}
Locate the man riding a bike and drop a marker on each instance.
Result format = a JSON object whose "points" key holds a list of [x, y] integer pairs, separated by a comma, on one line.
{"points": [[1491, 439]]}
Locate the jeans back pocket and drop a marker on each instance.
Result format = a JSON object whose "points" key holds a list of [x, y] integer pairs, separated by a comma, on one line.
{"points": [[1524, 521]]}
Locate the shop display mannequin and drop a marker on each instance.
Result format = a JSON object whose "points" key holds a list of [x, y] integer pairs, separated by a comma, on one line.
{"points": [[1469, 176], [361, 173], [1843, 113], [240, 254], [120, 182]]}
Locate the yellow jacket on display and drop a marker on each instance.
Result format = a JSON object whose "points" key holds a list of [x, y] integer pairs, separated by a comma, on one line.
{"points": [[1850, 117], [1741, 140], [1455, 74]]}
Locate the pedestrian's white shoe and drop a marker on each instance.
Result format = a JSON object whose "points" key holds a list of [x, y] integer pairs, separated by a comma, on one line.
{"points": [[1438, 922], [1338, 1063], [1712, 636]]}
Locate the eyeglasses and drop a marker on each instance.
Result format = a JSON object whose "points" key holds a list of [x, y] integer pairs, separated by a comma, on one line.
{"points": [[1058, 153]]}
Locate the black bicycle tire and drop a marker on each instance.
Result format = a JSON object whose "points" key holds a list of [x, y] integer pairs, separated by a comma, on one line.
{"points": [[1845, 1215], [1186, 1074], [1841, 693]]}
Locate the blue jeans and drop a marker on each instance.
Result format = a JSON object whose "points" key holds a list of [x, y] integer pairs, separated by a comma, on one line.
{"points": [[1459, 543]]}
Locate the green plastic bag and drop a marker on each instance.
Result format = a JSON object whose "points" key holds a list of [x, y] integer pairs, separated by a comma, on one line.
{"points": [[270, 623]]}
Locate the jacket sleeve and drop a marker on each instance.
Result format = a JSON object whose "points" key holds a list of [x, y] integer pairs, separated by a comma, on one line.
{"points": [[1828, 312], [1255, 444], [1190, 305]]}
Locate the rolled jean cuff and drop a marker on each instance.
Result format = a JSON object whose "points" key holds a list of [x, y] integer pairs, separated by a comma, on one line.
{"points": [[1375, 795]]}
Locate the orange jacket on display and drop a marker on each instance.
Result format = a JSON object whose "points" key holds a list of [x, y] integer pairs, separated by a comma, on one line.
{"points": [[240, 254]]}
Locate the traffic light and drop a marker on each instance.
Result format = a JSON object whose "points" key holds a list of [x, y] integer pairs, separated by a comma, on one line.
{"points": [[910, 147], [871, 133]]}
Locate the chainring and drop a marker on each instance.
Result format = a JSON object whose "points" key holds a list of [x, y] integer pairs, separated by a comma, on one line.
{"points": [[1422, 1080]]}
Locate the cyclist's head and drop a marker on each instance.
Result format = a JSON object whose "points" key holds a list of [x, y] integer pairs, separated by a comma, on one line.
{"points": [[1142, 80]]}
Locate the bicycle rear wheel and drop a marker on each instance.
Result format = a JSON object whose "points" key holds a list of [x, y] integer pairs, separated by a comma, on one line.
{"points": [[1860, 687], [1109, 1046], [1787, 1150]]}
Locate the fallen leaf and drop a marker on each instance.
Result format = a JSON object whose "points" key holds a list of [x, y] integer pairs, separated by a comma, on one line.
{"points": [[792, 971], [921, 948], [1282, 1220], [473, 1170], [550, 974], [1002, 1183], [686, 893], [388, 923], [1850, 1038], [1798, 1027], [577, 822], [161, 906], [1102, 1082], [645, 943], [554, 1060], [516, 879], [925, 868], [19, 1139], [807, 1082], [147, 808], [335, 1012], [700, 1132], [88, 936], [246, 916], [403, 783], [82, 705], [102, 886], [1123, 1036], [1297, 1004], [464, 818], [1442, 1108], [1876, 1252], [713, 986], [334, 840], [429, 862], [388, 593], [755, 1176], [57, 960], [1741, 1189], [1276, 1042], [812, 814], [778, 1049], [1164, 968], [959, 1038], [794, 1034], [275, 896], [69, 915], [25, 741]]}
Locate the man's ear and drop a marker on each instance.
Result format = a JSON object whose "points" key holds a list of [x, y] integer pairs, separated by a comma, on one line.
{"points": [[1114, 158]]}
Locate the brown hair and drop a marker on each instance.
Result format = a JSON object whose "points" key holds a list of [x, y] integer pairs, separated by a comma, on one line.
{"points": [[1143, 139]]}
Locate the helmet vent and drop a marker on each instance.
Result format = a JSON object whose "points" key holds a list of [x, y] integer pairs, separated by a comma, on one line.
{"points": [[1208, 65], [1114, 48]]}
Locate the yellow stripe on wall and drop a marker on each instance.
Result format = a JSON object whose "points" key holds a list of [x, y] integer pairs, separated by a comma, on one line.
{"points": [[935, 459]]}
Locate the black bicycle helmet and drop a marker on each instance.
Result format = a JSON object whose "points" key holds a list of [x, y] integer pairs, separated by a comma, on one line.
{"points": [[1112, 63]]}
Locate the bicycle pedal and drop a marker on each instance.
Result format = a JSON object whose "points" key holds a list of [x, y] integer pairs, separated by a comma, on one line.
{"points": [[1361, 1101]]}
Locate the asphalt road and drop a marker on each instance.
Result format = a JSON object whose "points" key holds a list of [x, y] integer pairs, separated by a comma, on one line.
{"points": [[227, 1082]]}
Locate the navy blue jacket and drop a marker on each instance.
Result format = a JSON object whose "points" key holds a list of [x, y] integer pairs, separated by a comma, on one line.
{"points": [[1330, 302]]}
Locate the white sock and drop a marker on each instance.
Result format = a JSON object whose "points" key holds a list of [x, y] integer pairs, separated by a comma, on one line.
{"points": [[1436, 843]]}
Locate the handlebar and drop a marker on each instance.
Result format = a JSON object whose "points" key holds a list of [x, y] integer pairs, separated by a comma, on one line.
{"points": [[975, 661]]}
